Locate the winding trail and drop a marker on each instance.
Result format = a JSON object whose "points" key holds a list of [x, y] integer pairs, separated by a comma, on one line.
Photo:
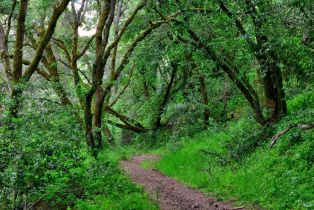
{"points": [[170, 194]]}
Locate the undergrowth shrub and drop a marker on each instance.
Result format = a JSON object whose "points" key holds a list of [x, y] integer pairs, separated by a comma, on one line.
{"points": [[44, 164], [34, 156], [245, 137], [301, 102], [106, 187]]}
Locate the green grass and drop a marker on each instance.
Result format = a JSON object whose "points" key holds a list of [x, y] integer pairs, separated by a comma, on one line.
{"points": [[110, 188], [281, 178], [100, 185], [147, 164]]}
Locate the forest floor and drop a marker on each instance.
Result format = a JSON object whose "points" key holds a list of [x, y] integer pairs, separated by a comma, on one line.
{"points": [[167, 192]]}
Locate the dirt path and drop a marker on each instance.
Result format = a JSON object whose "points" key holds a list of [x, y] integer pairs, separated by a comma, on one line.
{"points": [[170, 194]]}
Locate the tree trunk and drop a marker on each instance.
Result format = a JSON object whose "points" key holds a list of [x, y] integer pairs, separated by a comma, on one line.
{"points": [[231, 70], [16, 92], [271, 72], [273, 87], [204, 95], [165, 99], [108, 134], [145, 86], [88, 121], [15, 103], [99, 103]]}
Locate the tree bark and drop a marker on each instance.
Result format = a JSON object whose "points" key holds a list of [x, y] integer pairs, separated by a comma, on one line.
{"points": [[54, 77], [269, 64], [99, 103], [166, 97], [283, 132], [103, 27], [16, 92], [204, 94], [145, 86], [18, 48], [58, 10], [88, 116], [231, 70], [108, 134]]}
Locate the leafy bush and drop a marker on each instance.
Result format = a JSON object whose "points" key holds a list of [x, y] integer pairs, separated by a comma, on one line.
{"points": [[107, 188], [39, 151], [44, 164], [245, 137]]}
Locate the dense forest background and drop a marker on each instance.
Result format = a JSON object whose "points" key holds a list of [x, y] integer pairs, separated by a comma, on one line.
{"points": [[222, 90]]}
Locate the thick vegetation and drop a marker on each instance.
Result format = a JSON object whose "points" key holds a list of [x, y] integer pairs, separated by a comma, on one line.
{"points": [[221, 89], [224, 160]]}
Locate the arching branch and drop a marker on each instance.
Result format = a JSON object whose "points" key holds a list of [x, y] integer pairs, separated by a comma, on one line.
{"points": [[126, 127], [58, 10], [128, 121]]}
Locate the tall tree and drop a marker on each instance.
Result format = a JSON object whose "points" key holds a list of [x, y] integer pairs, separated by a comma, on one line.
{"points": [[16, 75]]}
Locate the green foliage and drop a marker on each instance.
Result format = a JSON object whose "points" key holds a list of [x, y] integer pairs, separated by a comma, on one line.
{"points": [[34, 156], [113, 189], [45, 161], [280, 178], [301, 102], [245, 137], [5, 7]]}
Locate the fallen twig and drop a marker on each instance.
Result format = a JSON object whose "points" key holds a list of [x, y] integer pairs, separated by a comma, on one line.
{"points": [[214, 154], [238, 208], [37, 201], [281, 133]]}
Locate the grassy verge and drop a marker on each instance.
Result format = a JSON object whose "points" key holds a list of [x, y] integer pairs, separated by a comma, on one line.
{"points": [[280, 178], [97, 185], [110, 188]]}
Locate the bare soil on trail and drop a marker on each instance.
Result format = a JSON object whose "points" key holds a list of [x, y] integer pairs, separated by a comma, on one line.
{"points": [[167, 192]]}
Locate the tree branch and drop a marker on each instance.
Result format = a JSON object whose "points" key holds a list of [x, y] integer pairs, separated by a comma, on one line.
{"points": [[128, 121], [137, 40], [124, 27], [283, 132], [114, 101], [238, 24], [19, 40], [215, 154], [126, 127], [86, 46], [58, 10], [63, 47]]}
